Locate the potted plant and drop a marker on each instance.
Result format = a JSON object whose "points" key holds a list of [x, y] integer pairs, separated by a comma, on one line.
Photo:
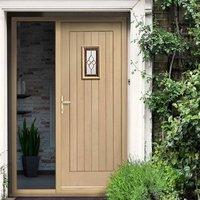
{"points": [[29, 139]]}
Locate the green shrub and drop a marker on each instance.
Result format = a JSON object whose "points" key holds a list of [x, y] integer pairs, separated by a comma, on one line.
{"points": [[175, 100], [181, 128], [142, 181], [159, 41]]}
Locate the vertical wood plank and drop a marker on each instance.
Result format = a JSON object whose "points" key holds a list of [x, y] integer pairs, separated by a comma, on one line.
{"points": [[117, 96], [57, 106], [88, 113], [80, 104], [95, 111], [73, 106], [102, 104], [109, 102], [65, 91]]}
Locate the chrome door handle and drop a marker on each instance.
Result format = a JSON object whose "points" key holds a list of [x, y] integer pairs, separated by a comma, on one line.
{"points": [[66, 102], [63, 103]]}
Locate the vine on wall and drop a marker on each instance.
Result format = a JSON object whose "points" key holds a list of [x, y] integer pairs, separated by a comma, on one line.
{"points": [[175, 101]]}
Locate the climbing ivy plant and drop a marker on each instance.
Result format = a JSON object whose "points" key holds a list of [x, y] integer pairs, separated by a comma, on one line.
{"points": [[175, 100]]}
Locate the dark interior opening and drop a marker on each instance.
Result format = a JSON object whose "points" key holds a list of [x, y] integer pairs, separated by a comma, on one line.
{"points": [[36, 102]]}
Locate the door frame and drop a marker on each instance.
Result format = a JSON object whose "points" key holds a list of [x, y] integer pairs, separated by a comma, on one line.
{"points": [[13, 103]]}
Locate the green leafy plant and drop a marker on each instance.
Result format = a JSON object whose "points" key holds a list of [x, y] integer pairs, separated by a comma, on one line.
{"points": [[29, 139], [159, 41], [175, 100], [177, 103], [142, 181], [166, 91], [180, 148], [180, 41]]}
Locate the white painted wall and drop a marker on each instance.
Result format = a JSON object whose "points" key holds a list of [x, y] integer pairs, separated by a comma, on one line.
{"points": [[148, 87], [139, 117], [3, 92], [136, 87]]}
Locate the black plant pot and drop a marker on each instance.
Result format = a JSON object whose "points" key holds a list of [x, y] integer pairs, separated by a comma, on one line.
{"points": [[30, 165]]}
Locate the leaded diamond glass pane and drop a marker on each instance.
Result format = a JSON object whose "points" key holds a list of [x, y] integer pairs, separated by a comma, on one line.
{"points": [[91, 62]]}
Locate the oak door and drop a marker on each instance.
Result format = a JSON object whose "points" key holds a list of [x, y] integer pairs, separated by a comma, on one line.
{"points": [[92, 138]]}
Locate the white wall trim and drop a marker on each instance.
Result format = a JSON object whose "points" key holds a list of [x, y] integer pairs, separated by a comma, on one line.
{"points": [[139, 117], [148, 85], [70, 5], [3, 99]]}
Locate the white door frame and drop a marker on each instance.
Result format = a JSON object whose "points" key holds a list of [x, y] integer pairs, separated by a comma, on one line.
{"points": [[139, 117]]}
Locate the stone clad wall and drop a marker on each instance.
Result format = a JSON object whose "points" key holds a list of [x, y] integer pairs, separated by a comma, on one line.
{"points": [[36, 62]]}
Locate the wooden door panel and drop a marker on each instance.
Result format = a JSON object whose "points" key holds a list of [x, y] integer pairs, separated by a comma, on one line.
{"points": [[80, 106], [109, 111], [91, 126], [102, 105], [73, 139]]}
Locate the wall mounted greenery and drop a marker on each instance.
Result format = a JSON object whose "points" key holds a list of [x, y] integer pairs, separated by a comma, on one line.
{"points": [[175, 100]]}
